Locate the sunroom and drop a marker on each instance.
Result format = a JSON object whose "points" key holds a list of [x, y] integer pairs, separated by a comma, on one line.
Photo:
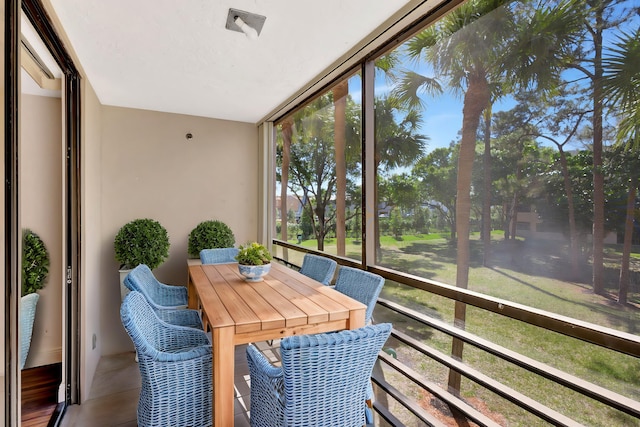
{"points": [[480, 156]]}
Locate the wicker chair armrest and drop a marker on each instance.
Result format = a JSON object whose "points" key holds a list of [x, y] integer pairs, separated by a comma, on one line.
{"points": [[203, 351], [184, 317], [267, 382], [173, 338], [173, 293]]}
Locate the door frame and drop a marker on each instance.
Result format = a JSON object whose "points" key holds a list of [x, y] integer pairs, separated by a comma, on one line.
{"points": [[35, 12]]}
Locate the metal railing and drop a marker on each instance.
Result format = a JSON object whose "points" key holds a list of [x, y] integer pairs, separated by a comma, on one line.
{"points": [[622, 342]]}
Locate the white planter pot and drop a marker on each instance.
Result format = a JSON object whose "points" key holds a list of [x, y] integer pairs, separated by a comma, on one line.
{"points": [[124, 291]]}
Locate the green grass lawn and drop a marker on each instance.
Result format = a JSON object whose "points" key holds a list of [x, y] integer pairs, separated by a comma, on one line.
{"points": [[530, 274]]}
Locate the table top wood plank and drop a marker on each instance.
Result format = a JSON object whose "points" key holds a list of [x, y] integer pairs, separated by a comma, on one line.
{"points": [[217, 313], [314, 312], [332, 302], [293, 315], [270, 317], [245, 319]]}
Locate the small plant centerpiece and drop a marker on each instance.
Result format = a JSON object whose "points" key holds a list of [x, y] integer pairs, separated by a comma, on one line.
{"points": [[141, 241], [254, 261], [210, 234]]}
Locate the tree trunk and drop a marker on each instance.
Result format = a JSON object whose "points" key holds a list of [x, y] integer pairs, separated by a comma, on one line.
{"points": [[515, 201], [574, 249], [476, 100], [598, 176], [340, 108], [506, 220], [486, 201], [623, 285]]}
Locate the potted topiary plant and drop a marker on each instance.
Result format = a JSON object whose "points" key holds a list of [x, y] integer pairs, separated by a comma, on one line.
{"points": [[35, 269], [141, 241], [210, 234], [35, 262], [254, 261]]}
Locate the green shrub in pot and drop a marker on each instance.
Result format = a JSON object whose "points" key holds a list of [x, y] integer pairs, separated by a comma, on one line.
{"points": [[210, 234], [35, 262], [141, 241], [35, 269]]}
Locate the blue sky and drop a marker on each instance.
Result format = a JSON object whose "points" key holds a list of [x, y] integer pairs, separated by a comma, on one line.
{"points": [[442, 115]]}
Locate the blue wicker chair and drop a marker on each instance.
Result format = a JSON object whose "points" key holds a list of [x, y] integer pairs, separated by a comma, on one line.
{"points": [[324, 379], [159, 295], [318, 268], [27, 316], [218, 255], [362, 286], [175, 366]]}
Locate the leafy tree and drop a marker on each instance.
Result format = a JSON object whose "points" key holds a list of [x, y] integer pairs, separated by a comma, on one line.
{"points": [[622, 89], [311, 175], [398, 141], [421, 220], [474, 48], [396, 223], [565, 113], [401, 191], [312, 165], [554, 209], [600, 17], [437, 174]]}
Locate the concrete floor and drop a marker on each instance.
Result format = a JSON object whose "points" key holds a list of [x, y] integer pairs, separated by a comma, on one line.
{"points": [[116, 387]]}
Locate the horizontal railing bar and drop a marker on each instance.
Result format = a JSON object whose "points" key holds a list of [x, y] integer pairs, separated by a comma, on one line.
{"points": [[433, 388], [410, 405], [285, 262], [349, 262], [609, 338], [519, 399], [583, 387], [386, 415], [606, 337]]}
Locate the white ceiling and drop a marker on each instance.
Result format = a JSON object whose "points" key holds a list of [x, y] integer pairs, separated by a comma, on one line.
{"points": [[176, 56]]}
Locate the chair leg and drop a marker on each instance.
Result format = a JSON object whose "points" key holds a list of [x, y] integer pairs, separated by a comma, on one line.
{"points": [[368, 413]]}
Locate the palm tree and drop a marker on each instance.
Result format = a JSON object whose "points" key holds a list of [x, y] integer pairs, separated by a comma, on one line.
{"points": [[398, 143], [477, 47], [622, 89], [600, 16]]}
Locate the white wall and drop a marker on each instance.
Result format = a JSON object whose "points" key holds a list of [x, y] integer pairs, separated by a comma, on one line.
{"points": [[41, 171], [91, 217], [149, 169]]}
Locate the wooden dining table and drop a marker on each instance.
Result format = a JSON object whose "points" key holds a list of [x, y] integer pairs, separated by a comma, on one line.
{"points": [[239, 312]]}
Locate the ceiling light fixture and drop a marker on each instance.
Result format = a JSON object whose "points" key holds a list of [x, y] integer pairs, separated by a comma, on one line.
{"points": [[251, 33], [245, 22]]}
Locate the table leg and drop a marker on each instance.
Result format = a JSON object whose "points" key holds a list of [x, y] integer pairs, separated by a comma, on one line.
{"points": [[192, 295], [223, 372]]}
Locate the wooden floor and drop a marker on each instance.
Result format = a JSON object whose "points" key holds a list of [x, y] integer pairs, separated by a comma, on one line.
{"points": [[39, 394]]}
